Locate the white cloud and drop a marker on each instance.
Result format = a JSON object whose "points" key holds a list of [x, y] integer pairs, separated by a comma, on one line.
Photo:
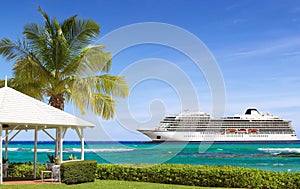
{"points": [[233, 6], [285, 47]]}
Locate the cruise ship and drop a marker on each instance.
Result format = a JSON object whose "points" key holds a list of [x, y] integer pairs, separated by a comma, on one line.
{"points": [[199, 126]]}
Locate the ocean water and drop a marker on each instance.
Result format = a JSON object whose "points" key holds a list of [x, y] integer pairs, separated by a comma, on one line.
{"points": [[265, 156]]}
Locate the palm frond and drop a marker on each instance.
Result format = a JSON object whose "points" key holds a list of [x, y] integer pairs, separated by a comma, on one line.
{"points": [[67, 27], [85, 99], [32, 32], [94, 61], [90, 61], [72, 67], [48, 25], [113, 85], [29, 75], [96, 93], [11, 50], [31, 88], [82, 32], [60, 49], [103, 105]]}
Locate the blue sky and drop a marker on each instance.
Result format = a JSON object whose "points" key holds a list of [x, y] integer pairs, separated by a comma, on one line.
{"points": [[255, 43]]}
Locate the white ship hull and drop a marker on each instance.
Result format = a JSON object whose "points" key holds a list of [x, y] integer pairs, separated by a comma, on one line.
{"points": [[160, 136]]}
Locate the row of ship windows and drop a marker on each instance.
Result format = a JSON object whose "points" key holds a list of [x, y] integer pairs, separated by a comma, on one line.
{"points": [[222, 127], [220, 131], [216, 136], [219, 128], [224, 124], [287, 132], [225, 120]]}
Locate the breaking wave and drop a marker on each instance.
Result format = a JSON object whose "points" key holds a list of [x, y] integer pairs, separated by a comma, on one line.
{"points": [[100, 150], [280, 150], [72, 150]]}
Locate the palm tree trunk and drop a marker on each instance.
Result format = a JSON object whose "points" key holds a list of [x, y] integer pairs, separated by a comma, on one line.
{"points": [[57, 101]]}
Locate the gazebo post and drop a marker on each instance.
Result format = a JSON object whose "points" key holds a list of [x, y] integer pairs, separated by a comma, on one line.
{"points": [[56, 142], [60, 145], [1, 162], [35, 152], [6, 144], [82, 144]]}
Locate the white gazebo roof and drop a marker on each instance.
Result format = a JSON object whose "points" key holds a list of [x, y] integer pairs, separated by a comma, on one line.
{"points": [[19, 109]]}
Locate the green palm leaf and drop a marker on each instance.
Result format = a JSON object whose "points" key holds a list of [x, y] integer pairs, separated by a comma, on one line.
{"points": [[56, 61]]}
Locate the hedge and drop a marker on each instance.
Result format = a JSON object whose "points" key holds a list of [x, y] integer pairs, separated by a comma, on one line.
{"points": [[207, 176], [22, 170], [75, 172]]}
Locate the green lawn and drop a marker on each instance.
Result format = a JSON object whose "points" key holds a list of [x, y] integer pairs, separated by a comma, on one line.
{"points": [[107, 184]]}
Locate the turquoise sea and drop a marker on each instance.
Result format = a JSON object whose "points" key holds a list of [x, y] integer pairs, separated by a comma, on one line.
{"points": [[266, 156]]}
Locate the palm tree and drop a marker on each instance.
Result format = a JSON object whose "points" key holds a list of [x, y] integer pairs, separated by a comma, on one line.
{"points": [[56, 61]]}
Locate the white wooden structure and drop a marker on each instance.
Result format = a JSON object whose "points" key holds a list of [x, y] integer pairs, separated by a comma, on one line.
{"points": [[20, 112]]}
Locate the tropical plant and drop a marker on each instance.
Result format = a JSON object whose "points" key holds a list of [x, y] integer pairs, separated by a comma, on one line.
{"points": [[56, 61], [51, 158]]}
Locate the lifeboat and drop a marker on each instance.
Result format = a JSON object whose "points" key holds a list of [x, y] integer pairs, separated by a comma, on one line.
{"points": [[242, 131], [252, 130], [230, 130]]}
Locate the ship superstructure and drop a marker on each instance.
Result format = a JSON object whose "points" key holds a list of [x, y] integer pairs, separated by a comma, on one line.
{"points": [[199, 126]]}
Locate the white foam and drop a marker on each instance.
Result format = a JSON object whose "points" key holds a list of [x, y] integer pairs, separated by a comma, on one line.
{"points": [[280, 150], [73, 150], [43, 150], [278, 164], [16, 149], [12, 149], [111, 150], [100, 150], [263, 164]]}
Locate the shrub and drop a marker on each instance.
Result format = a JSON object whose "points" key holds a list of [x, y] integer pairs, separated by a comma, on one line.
{"points": [[208, 176], [25, 170], [75, 172]]}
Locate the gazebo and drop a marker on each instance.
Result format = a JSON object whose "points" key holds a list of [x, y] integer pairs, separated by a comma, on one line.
{"points": [[20, 112]]}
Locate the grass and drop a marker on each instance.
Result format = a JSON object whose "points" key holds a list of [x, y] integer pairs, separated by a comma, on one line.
{"points": [[107, 184]]}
